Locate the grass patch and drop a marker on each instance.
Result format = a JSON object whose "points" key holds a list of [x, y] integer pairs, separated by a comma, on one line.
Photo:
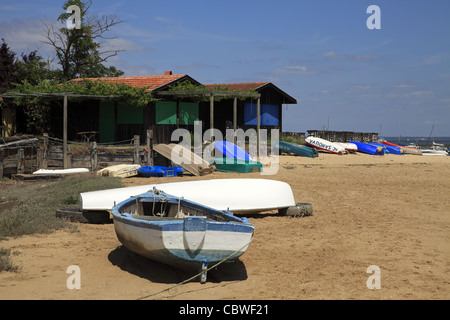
{"points": [[5, 261], [35, 204], [292, 140]]}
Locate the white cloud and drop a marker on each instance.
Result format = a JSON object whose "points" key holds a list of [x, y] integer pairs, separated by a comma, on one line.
{"points": [[295, 70]]}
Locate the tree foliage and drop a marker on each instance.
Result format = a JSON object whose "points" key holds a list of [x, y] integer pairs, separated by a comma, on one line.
{"points": [[77, 50], [87, 89], [201, 92]]}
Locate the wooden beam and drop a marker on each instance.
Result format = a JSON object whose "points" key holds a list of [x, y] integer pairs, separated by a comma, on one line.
{"points": [[65, 162], [234, 118], [258, 121], [211, 114], [206, 93]]}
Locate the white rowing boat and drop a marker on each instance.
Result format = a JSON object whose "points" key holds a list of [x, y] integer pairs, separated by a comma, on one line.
{"points": [[180, 232], [325, 145]]}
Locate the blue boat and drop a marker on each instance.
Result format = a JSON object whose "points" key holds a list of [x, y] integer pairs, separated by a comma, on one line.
{"points": [[180, 232], [230, 150], [389, 149], [158, 171], [367, 148], [296, 149]]}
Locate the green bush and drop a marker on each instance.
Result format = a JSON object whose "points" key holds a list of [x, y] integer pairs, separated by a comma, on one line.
{"points": [[36, 204]]}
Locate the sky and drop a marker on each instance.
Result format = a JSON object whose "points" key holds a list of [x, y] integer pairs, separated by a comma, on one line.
{"points": [[394, 80]]}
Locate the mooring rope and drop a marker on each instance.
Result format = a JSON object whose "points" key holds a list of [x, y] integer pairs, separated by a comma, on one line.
{"points": [[197, 275]]}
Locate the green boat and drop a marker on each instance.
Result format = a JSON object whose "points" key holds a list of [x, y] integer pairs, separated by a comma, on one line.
{"points": [[236, 165], [296, 149]]}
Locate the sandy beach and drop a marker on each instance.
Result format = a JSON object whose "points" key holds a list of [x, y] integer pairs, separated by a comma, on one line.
{"points": [[388, 211]]}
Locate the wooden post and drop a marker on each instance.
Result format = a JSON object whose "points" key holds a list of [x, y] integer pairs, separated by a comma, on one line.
{"points": [[136, 149], [69, 156], [258, 121], [45, 152], [2, 156], [150, 159], [65, 162], [94, 156], [235, 118], [20, 161], [211, 114]]}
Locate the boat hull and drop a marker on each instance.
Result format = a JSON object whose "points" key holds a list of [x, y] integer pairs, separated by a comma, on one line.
{"points": [[172, 243], [369, 149], [236, 165], [296, 149], [406, 150], [179, 232], [158, 171], [230, 150], [389, 149], [235, 195], [325, 145]]}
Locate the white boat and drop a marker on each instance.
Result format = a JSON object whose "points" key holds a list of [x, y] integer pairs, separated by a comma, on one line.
{"points": [[120, 170], [180, 232], [235, 195], [60, 171], [350, 147], [325, 145], [436, 149]]}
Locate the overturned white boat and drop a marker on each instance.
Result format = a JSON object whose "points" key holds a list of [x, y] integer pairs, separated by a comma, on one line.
{"points": [[325, 145], [235, 195]]}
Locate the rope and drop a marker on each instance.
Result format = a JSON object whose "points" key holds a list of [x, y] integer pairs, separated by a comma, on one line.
{"points": [[193, 277]]}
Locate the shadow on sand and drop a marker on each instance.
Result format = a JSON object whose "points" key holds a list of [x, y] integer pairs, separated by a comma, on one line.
{"points": [[161, 273]]}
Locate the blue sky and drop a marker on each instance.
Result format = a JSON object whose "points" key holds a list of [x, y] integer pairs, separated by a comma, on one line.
{"points": [[395, 80]]}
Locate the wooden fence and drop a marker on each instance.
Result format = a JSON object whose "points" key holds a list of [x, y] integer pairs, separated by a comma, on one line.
{"points": [[24, 156]]}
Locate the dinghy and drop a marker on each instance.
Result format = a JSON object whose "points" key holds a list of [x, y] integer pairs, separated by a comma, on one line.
{"points": [[325, 145], [350, 147], [120, 170], [235, 195], [369, 149], [158, 171], [296, 149], [406, 149], [227, 149], [179, 232], [389, 149], [236, 165], [60, 171]]}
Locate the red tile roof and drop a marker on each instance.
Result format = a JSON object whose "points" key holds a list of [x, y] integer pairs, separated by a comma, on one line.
{"points": [[153, 82]]}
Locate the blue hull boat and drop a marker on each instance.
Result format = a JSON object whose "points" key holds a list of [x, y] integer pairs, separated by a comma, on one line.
{"points": [[179, 232], [158, 171], [369, 149], [389, 149], [230, 150], [296, 149]]}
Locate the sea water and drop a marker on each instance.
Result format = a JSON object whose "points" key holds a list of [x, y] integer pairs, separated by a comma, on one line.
{"points": [[419, 141]]}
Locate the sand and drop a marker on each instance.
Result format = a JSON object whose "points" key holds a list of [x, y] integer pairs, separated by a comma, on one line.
{"points": [[390, 211]]}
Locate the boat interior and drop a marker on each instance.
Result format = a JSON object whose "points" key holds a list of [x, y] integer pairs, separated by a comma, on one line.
{"points": [[149, 208]]}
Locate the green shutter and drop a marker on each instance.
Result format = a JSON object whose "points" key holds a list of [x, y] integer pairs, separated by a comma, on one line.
{"points": [[166, 112], [188, 113], [107, 122], [128, 114]]}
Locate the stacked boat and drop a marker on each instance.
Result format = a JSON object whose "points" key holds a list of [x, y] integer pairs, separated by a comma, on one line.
{"points": [[406, 149]]}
